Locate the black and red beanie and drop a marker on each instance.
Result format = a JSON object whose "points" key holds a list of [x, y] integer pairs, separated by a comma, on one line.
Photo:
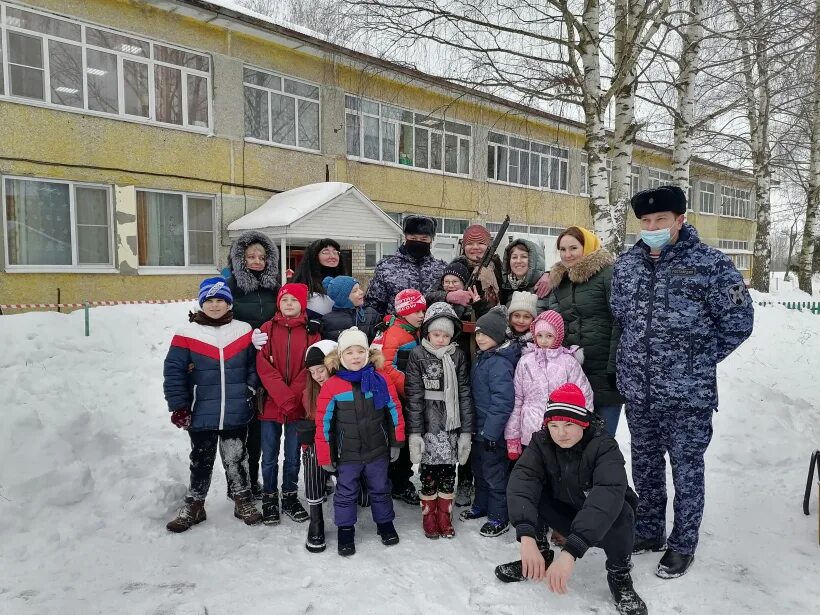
{"points": [[567, 403]]}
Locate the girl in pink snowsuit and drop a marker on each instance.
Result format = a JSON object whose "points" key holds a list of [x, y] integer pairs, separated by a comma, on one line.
{"points": [[544, 366]]}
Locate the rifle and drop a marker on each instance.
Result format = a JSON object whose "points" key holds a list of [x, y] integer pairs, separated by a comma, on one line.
{"points": [[488, 255]]}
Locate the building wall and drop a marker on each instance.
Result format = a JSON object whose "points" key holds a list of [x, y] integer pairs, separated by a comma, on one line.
{"points": [[57, 144]]}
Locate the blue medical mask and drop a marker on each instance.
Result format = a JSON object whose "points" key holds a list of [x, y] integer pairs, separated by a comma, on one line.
{"points": [[656, 240]]}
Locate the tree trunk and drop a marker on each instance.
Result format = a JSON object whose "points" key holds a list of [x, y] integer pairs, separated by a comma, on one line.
{"points": [[685, 86], [809, 261]]}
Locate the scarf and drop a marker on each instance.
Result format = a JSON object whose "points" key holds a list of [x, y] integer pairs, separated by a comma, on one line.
{"points": [[201, 318], [451, 405], [372, 382]]}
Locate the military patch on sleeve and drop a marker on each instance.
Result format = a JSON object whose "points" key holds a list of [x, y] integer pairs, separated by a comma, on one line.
{"points": [[737, 294]]}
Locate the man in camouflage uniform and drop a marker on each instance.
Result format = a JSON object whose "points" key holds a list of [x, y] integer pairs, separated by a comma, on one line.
{"points": [[683, 308], [411, 267]]}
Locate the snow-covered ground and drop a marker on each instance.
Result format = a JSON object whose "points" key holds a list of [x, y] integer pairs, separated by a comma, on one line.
{"points": [[91, 469]]}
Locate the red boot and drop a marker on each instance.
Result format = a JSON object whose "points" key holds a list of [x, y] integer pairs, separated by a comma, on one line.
{"points": [[444, 514], [429, 520]]}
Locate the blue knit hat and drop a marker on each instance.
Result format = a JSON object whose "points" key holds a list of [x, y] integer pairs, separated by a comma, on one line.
{"points": [[339, 289], [214, 288]]}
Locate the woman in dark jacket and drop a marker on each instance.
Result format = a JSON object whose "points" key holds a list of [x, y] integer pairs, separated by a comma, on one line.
{"points": [[253, 277], [581, 284], [322, 258]]}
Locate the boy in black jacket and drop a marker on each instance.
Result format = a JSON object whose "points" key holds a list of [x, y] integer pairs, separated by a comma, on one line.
{"points": [[572, 478]]}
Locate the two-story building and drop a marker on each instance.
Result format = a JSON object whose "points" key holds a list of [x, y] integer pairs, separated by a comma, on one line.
{"points": [[133, 133]]}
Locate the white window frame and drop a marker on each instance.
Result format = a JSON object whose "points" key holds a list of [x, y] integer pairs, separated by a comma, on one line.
{"points": [[150, 62], [583, 188], [563, 162], [414, 125], [732, 199], [713, 192], [75, 267], [281, 92], [186, 268], [658, 177]]}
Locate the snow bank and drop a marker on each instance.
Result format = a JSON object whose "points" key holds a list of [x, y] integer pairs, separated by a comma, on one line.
{"points": [[91, 468]]}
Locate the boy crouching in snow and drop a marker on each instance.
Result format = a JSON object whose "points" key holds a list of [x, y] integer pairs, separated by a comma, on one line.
{"points": [[572, 478], [210, 378]]}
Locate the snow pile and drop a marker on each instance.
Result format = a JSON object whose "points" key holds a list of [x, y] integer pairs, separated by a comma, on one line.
{"points": [[91, 468]]}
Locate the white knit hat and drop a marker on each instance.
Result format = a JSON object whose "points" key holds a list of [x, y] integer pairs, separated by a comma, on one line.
{"points": [[523, 302], [351, 337]]}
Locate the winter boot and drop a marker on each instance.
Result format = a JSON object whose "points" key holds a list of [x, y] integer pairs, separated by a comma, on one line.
{"points": [[464, 494], [648, 544], [293, 508], [512, 572], [388, 533], [315, 542], [347, 540], [256, 490], [674, 564], [429, 518], [191, 513], [444, 513], [408, 495], [627, 601], [245, 509], [270, 508], [493, 528], [472, 513]]}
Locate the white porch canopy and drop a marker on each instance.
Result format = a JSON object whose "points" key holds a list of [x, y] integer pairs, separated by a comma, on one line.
{"points": [[315, 211]]}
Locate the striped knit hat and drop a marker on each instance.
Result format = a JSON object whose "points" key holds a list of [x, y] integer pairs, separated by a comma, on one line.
{"points": [[550, 321], [567, 403]]}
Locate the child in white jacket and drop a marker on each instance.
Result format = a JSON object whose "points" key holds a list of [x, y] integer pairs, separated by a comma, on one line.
{"points": [[544, 366]]}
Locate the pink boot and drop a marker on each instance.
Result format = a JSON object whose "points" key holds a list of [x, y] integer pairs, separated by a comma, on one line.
{"points": [[429, 518], [444, 514]]}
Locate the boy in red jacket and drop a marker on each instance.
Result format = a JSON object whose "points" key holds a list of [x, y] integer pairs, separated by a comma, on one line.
{"points": [[281, 368]]}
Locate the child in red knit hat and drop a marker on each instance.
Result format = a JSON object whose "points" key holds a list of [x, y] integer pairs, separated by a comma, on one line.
{"points": [[281, 368]]}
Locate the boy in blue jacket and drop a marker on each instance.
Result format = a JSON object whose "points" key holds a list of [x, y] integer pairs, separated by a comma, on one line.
{"points": [[493, 402], [209, 382]]}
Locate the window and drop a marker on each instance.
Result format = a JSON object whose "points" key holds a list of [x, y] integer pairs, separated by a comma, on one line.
{"points": [[453, 226], [527, 163], [630, 240], [282, 110], [741, 261], [733, 244], [396, 217], [659, 178], [374, 252], [736, 203], [175, 229], [584, 179], [53, 223], [634, 180], [383, 133], [75, 66], [707, 197]]}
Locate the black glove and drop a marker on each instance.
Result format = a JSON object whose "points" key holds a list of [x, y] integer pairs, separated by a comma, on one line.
{"points": [[612, 379], [490, 445], [313, 326]]}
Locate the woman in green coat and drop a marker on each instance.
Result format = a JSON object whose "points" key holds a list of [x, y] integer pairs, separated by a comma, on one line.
{"points": [[580, 293]]}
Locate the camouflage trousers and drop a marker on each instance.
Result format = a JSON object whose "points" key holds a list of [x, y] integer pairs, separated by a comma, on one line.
{"points": [[684, 434]]}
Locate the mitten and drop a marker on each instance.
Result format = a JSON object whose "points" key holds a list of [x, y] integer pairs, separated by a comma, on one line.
{"points": [[459, 297], [330, 468], [394, 453], [416, 444], [465, 443], [513, 449], [490, 445], [313, 326], [181, 418], [259, 339]]}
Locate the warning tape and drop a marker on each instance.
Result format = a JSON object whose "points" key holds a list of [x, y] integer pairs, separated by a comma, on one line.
{"points": [[29, 306]]}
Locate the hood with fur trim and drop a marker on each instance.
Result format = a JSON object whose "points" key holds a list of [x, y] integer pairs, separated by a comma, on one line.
{"points": [[333, 363], [584, 269], [245, 280]]}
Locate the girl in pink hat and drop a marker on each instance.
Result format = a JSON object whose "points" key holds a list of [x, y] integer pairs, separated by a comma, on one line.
{"points": [[544, 366]]}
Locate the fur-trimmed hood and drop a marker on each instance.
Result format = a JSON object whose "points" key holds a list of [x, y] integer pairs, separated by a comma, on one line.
{"points": [[584, 269], [245, 280], [333, 363]]}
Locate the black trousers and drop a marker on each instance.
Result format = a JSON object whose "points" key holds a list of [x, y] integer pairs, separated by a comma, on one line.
{"points": [[438, 478], [465, 472], [400, 471], [254, 445], [616, 543], [231, 445]]}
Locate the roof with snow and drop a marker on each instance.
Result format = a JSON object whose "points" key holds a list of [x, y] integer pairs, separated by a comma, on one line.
{"points": [[315, 211]]}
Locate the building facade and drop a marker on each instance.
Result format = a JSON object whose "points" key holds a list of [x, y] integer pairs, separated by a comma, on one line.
{"points": [[133, 133]]}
